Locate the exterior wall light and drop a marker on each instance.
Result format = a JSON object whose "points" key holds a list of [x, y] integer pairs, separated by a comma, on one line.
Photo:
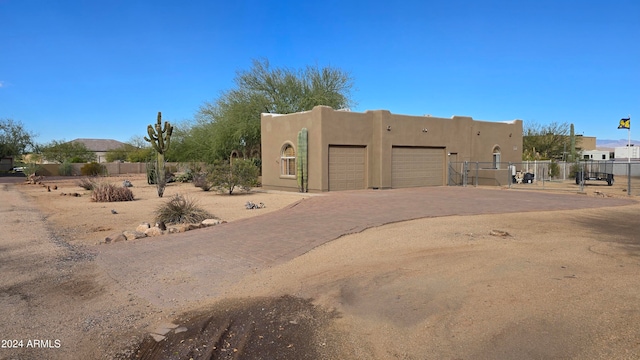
{"points": [[388, 127], [478, 133]]}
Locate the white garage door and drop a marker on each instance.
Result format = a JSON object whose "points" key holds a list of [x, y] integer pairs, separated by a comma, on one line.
{"points": [[347, 167], [417, 166]]}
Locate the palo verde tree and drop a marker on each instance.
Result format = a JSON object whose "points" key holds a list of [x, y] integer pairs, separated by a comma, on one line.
{"points": [[232, 121], [135, 150], [160, 139], [14, 138], [544, 142]]}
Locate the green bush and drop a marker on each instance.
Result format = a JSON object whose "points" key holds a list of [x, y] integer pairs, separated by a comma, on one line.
{"points": [[92, 169], [65, 169], [258, 163], [104, 192], [242, 174], [184, 177], [181, 210]]}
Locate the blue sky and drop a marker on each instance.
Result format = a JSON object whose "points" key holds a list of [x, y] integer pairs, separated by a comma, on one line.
{"points": [[103, 69]]}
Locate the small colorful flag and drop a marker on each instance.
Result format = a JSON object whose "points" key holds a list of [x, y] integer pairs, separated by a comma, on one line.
{"points": [[625, 123]]}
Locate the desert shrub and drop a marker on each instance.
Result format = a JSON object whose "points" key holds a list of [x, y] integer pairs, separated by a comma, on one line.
{"points": [[151, 174], [184, 177], [92, 169], [65, 169], [181, 209], [575, 167], [171, 169], [31, 169], [242, 174], [201, 180], [258, 163], [86, 183], [195, 167], [103, 192]]}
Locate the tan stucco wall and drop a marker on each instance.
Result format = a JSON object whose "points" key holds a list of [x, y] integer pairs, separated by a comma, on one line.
{"points": [[586, 142], [379, 131]]}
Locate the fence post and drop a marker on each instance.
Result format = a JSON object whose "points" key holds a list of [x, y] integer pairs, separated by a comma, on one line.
{"points": [[512, 170], [477, 173], [465, 170], [628, 177], [582, 170]]}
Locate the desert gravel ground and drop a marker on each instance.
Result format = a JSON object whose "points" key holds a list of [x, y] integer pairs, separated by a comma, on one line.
{"points": [[561, 284]]}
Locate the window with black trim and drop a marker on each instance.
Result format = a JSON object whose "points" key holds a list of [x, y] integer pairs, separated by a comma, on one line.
{"points": [[496, 157]]}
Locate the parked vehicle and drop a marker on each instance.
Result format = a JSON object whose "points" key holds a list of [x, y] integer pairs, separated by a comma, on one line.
{"points": [[595, 170]]}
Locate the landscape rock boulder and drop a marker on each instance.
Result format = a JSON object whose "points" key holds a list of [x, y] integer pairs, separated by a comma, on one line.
{"points": [[143, 227], [210, 222], [114, 238], [154, 231], [132, 235], [184, 227]]}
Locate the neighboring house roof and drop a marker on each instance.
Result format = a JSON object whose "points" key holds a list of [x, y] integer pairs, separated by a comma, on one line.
{"points": [[100, 145]]}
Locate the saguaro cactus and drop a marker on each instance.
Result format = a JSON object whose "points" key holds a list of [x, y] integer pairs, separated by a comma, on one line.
{"points": [[301, 161], [160, 139]]}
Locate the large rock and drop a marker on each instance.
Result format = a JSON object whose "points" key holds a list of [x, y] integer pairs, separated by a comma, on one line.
{"points": [[154, 231], [210, 222], [132, 235], [114, 238], [143, 227], [184, 227]]}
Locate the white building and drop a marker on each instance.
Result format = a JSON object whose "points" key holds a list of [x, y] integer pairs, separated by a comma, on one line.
{"points": [[595, 155], [623, 152]]}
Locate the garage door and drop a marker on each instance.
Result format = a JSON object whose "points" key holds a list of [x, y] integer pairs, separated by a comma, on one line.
{"points": [[346, 167], [417, 166]]}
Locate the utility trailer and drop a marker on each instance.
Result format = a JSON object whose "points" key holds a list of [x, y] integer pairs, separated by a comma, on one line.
{"points": [[595, 170]]}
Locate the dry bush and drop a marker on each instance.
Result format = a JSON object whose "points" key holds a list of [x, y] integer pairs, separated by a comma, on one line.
{"points": [[109, 193], [86, 183], [93, 169], [201, 180], [181, 210]]}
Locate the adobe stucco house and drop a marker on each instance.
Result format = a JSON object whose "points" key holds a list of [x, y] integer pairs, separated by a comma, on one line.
{"points": [[380, 150]]}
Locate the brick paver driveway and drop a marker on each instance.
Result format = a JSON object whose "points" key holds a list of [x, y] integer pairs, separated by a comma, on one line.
{"points": [[189, 267]]}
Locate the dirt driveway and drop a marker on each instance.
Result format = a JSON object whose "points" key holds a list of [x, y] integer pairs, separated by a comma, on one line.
{"points": [[559, 279]]}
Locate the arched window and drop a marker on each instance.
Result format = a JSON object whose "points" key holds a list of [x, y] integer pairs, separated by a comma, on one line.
{"points": [[496, 157], [288, 161]]}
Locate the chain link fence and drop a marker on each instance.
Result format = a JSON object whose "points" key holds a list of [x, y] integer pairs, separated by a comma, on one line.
{"points": [[607, 176]]}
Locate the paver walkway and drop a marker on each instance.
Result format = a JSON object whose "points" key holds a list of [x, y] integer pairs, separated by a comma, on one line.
{"points": [[196, 265]]}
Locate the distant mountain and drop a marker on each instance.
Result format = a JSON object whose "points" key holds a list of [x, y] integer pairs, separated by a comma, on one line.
{"points": [[605, 143]]}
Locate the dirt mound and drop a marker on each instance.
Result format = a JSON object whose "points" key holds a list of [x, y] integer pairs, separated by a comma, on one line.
{"points": [[286, 327]]}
